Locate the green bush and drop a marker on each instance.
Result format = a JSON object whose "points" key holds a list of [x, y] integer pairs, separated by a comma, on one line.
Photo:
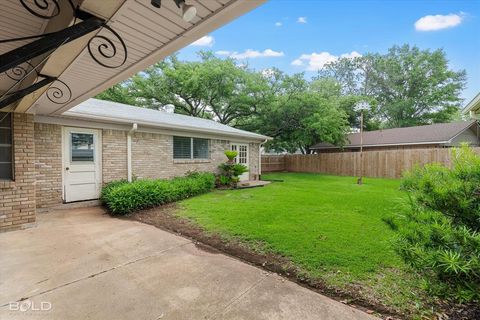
{"points": [[440, 233], [230, 173], [121, 197], [231, 155]]}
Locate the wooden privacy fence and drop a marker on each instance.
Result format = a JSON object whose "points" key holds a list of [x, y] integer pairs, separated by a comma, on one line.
{"points": [[273, 163], [382, 164]]}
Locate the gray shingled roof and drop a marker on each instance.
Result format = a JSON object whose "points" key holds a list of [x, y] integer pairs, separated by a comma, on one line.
{"points": [[100, 110], [434, 133]]}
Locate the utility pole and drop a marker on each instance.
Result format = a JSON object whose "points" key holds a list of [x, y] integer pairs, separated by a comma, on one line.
{"points": [[361, 106]]}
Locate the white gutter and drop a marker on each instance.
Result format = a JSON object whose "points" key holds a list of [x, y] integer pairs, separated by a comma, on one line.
{"points": [[129, 151], [110, 119]]}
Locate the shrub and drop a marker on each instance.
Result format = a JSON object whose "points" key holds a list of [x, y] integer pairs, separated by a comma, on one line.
{"points": [[230, 173], [231, 155], [121, 197], [440, 233]]}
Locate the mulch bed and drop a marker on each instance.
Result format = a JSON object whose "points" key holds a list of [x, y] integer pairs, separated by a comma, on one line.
{"points": [[164, 218]]}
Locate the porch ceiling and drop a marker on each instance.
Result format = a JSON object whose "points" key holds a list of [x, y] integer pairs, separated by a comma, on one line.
{"points": [[149, 34]]}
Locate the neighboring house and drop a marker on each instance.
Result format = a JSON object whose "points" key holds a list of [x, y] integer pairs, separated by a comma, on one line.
{"points": [[472, 109], [57, 55], [440, 135], [100, 141]]}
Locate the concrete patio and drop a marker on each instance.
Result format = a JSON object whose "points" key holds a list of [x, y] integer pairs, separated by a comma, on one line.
{"points": [[82, 264]]}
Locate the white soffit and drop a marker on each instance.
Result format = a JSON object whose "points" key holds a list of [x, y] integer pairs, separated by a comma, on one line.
{"points": [[150, 35]]}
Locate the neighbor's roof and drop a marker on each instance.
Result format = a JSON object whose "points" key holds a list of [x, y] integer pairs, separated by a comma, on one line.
{"points": [[434, 133], [473, 105], [100, 110]]}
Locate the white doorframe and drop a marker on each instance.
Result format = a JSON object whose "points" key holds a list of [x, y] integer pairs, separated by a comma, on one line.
{"points": [[236, 146], [67, 163]]}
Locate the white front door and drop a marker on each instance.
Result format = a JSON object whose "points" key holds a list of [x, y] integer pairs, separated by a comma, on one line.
{"points": [[242, 157], [81, 164]]}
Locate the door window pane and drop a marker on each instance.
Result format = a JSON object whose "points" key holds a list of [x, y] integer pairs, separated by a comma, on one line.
{"points": [[182, 148], [200, 148], [242, 154], [82, 147]]}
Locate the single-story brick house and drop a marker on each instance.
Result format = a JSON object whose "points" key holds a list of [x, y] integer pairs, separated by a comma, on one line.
{"points": [[439, 135], [55, 145], [99, 141]]}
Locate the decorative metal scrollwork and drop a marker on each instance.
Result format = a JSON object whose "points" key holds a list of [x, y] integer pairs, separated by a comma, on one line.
{"points": [[19, 72], [59, 92], [107, 50], [43, 8]]}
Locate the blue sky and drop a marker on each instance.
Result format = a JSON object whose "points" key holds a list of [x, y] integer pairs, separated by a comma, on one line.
{"points": [[302, 35]]}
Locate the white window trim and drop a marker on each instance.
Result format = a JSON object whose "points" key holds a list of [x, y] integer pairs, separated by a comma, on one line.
{"points": [[180, 160]]}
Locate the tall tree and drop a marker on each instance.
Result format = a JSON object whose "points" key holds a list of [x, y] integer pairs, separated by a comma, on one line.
{"points": [[211, 88], [298, 121], [410, 86], [414, 86], [175, 82]]}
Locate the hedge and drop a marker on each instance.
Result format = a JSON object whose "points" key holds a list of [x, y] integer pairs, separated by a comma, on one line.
{"points": [[122, 197]]}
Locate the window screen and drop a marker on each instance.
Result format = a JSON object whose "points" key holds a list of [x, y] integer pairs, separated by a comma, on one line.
{"points": [[190, 148], [182, 148], [6, 156], [200, 148]]}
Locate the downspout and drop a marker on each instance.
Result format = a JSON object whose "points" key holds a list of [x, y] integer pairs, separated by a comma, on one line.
{"points": [[129, 152]]}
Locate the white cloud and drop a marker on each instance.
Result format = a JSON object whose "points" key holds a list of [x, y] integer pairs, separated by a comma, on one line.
{"points": [[278, 24], [206, 41], [302, 20], [438, 22], [250, 54], [223, 53], [297, 62], [316, 61], [351, 55]]}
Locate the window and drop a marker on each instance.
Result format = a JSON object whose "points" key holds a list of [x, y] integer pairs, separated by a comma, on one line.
{"points": [[6, 154], [190, 148], [82, 147]]}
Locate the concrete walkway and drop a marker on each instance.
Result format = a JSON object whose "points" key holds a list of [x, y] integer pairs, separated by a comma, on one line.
{"points": [[82, 264]]}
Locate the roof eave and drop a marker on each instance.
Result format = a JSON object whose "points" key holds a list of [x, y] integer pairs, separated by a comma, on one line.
{"points": [[87, 116], [384, 145], [473, 105]]}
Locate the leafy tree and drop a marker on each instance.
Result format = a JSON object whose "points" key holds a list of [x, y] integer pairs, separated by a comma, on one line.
{"points": [[171, 81], [212, 88], [410, 86], [415, 87], [118, 93], [303, 119]]}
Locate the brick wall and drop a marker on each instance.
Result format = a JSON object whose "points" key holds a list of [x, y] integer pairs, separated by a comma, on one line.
{"points": [[17, 198], [38, 165], [152, 157], [48, 164], [114, 157]]}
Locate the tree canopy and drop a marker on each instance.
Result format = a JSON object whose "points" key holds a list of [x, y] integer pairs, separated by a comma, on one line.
{"points": [[410, 86], [404, 87]]}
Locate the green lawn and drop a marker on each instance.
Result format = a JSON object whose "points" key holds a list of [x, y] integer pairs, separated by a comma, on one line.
{"points": [[327, 225]]}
